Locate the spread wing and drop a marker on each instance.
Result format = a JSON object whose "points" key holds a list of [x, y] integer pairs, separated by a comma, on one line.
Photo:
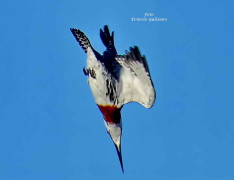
{"points": [[136, 83]]}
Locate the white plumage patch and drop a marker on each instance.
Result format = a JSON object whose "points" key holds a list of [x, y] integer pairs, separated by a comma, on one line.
{"points": [[135, 80]]}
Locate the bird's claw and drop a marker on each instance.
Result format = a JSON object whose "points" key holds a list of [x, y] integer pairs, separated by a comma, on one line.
{"points": [[86, 71], [90, 72]]}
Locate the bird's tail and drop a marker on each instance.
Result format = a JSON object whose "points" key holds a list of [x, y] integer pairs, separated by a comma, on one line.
{"points": [[81, 38], [107, 39]]}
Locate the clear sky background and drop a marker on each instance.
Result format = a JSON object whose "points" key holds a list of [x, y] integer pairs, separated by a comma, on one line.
{"points": [[50, 127]]}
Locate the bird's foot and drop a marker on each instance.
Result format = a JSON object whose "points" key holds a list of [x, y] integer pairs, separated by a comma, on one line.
{"points": [[86, 71], [92, 73]]}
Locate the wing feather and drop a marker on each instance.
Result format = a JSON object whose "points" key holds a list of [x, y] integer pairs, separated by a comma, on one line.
{"points": [[136, 83]]}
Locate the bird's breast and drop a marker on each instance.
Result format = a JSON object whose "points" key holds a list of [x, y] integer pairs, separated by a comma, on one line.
{"points": [[110, 113], [104, 86]]}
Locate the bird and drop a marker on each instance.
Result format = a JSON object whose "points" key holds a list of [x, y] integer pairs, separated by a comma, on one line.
{"points": [[116, 80]]}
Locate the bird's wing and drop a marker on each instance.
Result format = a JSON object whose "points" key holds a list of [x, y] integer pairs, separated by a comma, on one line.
{"points": [[81, 38], [135, 82]]}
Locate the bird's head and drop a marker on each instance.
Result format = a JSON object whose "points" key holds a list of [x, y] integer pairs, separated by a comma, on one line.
{"points": [[113, 124], [115, 132]]}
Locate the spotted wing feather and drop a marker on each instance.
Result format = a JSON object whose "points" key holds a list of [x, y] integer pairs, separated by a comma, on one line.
{"points": [[81, 38]]}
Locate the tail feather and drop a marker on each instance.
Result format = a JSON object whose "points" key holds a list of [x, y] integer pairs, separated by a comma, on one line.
{"points": [[81, 38], [107, 39]]}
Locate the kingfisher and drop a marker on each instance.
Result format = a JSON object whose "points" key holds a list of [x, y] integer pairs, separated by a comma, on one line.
{"points": [[116, 80]]}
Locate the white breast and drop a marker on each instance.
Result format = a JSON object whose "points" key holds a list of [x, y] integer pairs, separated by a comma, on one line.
{"points": [[98, 83]]}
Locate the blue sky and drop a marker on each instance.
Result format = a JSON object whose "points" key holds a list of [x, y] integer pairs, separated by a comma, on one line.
{"points": [[50, 127]]}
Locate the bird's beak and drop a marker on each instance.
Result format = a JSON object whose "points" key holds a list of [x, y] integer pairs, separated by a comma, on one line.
{"points": [[118, 149]]}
